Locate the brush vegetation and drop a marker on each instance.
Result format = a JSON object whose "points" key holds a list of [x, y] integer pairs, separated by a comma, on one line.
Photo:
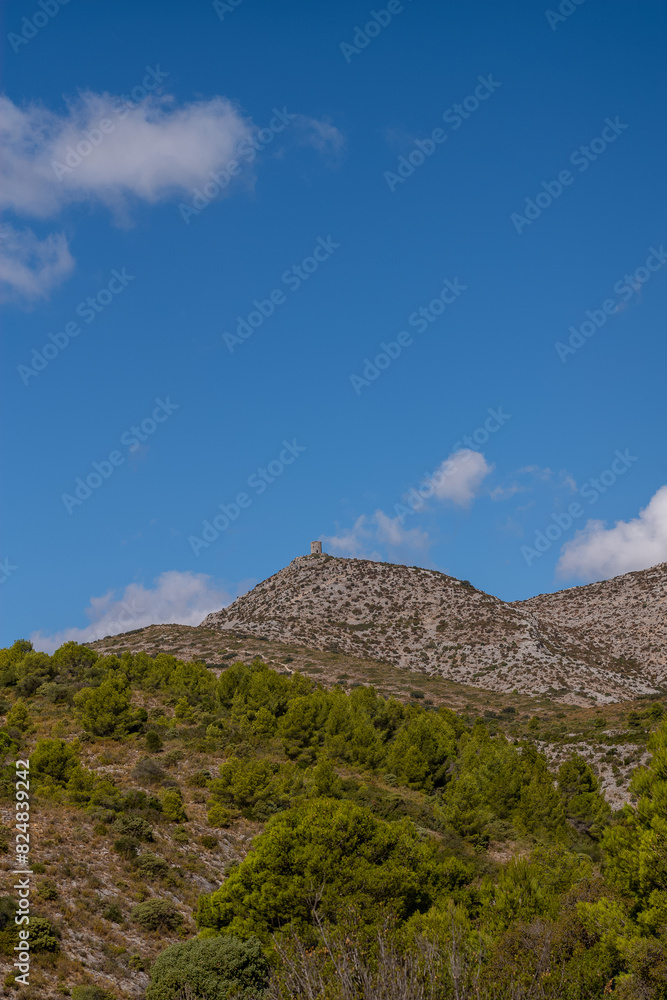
{"points": [[263, 836]]}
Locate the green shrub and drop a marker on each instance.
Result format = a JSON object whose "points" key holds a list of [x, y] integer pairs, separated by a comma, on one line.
{"points": [[153, 741], [218, 816], [32, 672], [172, 806], [208, 842], [126, 847], [113, 913], [91, 992], [54, 759], [106, 710], [585, 807], [212, 968], [634, 720], [148, 771], [134, 826], [47, 889], [18, 718], [108, 797], [73, 660], [151, 866], [59, 694], [200, 779], [10, 658], [257, 787], [43, 935], [135, 800], [156, 915], [8, 929]]}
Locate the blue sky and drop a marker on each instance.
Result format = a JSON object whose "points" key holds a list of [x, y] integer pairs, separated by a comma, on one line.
{"points": [[239, 329]]}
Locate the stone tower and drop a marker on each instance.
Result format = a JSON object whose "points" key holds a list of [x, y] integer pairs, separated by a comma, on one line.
{"points": [[316, 548]]}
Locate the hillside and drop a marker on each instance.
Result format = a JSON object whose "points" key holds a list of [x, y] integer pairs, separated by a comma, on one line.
{"points": [[151, 779], [604, 642], [626, 617], [603, 740]]}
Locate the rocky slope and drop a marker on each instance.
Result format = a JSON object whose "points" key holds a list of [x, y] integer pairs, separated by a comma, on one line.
{"points": [[603, 642], [625, 618]]}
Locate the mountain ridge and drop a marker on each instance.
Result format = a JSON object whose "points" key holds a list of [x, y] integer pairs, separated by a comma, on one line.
{"points": [[574, 645]]}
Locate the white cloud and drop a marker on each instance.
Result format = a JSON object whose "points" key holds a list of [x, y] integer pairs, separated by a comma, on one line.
{"points": [[153, 151], [30, 267], [176, 598], [598, 552], [459, 477], [104, 150], [146, 151]]}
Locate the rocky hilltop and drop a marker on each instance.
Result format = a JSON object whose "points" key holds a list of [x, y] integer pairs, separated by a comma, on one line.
{"points": [[605, 641], [626, 618]]}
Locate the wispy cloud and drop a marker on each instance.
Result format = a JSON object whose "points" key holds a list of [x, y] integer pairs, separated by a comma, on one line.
{"points": [[322, 135], [369, 531], [528, 478], [391, 531], [537, 471], [507, 492], [30, 267], [349, 541]]}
